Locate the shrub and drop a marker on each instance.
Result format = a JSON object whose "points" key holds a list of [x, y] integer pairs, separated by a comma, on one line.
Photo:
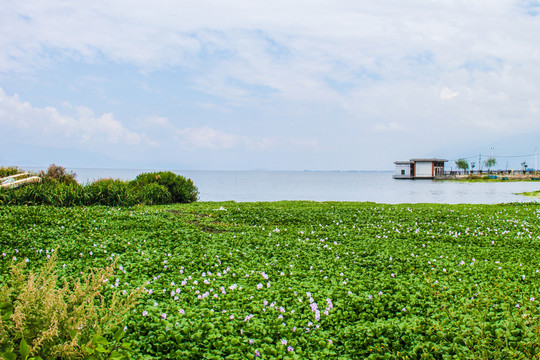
{"points": [[59, 194], [52, 318], [57, 174], [59, 188], [10, 170], [110, 192], [182, 190], [155, 194]]}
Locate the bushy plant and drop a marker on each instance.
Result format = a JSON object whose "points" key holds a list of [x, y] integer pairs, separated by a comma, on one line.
{"points": [[112, 192], [10, 170], [182, 190], [155, 194], [46, 317], [59, 194], [57, 174], [59, 188]]}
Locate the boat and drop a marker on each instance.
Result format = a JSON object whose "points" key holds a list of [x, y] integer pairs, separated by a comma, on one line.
{"points": [[17, 180]]}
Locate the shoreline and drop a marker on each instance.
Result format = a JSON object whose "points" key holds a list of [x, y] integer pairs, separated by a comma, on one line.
{"points": [[489, 177]]}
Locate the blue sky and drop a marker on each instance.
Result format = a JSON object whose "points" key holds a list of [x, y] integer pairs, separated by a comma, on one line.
{"points": [[280, 85]]}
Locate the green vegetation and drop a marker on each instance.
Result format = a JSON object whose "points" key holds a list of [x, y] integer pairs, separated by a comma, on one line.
{"points": [[490, 162], [57, 175], [59, 188], [492, 178], [8, 171], [531, 193], [299, 279], [181, 190], [462, 164], [43, 317]]}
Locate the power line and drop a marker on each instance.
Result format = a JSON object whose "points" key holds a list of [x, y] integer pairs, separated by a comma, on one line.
{"points": [[495, 156]]}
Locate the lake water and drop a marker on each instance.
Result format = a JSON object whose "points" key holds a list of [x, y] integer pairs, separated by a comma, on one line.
{"points": [[330, 186]]}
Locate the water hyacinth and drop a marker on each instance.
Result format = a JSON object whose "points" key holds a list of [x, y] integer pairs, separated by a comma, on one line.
{"points": [[376, 270]]}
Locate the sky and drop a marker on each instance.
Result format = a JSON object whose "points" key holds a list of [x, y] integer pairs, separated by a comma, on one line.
{"points": [[268, 85]]}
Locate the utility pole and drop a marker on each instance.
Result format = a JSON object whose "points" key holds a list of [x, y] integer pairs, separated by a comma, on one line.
{"points": [[490, 159], [536, 159], [480, 163]]}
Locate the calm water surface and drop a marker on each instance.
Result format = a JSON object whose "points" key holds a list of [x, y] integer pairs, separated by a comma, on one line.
{"points": [[331, 186]]}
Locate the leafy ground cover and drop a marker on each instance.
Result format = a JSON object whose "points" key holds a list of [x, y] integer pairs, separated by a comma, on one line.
{"points": [[304, 280], [531, 193]]}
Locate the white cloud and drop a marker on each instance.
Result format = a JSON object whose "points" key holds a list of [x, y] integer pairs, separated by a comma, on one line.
{"points": [[25, 123], [317, 68], [206, 137], [390, 127], [447, 94]]}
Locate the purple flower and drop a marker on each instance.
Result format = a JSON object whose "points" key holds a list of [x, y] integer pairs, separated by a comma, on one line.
{"points": [[164, 316], [284, 342], [257, 353], [144, 313], [290, 348]]}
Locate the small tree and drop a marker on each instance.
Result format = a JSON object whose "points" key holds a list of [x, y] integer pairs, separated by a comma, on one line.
{"points": [[57, 174], [524, 166], [462, 164], [489, 163], [473, 164]]}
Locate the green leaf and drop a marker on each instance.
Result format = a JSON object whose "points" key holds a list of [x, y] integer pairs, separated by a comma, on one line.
{"points": [[9, 355], [7, 315], [115, 355], [101, 349], [24, 349], [89, 350], [5, 305], [98, 339], [119, 334]]}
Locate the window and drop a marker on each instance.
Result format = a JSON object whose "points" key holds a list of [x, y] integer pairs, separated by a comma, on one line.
{"points": [[402, 172]]}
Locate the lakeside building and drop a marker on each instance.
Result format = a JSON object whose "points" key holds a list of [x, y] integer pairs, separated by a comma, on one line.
{"points": [[419, 168]]}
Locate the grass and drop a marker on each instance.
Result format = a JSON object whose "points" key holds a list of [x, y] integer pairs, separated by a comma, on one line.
{"points": [[485, 178], [531, 193]]}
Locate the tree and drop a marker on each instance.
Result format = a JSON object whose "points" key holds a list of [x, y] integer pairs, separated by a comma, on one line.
{"points": [[524, 166], [462, 164], [473, 164], [489, 163]]}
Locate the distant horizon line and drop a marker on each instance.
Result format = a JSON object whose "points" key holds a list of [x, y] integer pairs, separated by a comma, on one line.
{"points": [[171, 169]]}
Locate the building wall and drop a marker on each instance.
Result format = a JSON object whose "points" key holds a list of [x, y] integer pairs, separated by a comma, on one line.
{"points": [[424, 169], [406, 169]]}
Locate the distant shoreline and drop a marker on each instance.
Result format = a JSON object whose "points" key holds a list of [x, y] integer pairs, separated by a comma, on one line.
{"points": [[489, 177]]}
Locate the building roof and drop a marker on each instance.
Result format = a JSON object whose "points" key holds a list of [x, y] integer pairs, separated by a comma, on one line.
{"points": [[428, 160], [402, 162]]}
